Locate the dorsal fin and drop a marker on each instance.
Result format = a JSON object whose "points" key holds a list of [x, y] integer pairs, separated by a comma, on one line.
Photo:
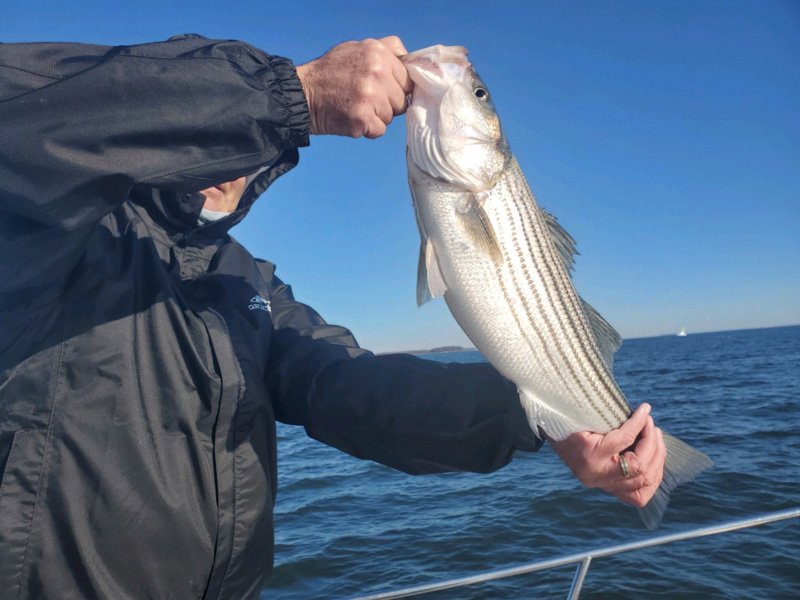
{"points": [[607, 337], [563, 241]]}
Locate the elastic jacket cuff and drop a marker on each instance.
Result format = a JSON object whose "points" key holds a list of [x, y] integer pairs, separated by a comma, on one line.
{"points": [[288, 92]]}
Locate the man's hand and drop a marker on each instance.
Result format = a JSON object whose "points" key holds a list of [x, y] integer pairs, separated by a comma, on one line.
{"points": [[595, 460], [356, 88]]}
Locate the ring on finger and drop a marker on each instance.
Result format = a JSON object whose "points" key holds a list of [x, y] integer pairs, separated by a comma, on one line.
{"points": [[623, 464]]}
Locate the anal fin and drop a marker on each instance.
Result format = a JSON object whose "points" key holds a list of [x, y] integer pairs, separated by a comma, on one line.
{"points": [[542, 418]]}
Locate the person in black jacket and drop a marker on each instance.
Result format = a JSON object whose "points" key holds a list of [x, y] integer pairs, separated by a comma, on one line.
{"points": [[145, 355]]}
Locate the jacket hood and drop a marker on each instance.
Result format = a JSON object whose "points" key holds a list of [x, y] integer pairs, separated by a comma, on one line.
{"points": [[177, 212]]}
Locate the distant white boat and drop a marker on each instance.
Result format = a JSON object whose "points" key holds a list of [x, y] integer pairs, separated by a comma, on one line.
{"points": [[682, 332]]}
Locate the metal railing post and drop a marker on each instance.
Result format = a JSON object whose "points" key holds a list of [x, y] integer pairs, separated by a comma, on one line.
{"points": [[580, 575]]}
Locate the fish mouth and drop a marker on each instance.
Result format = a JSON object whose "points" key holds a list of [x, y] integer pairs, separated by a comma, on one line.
{"points": [[429, 68], [438, 54]]}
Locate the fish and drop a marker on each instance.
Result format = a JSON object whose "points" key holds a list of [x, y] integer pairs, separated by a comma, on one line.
{"points": [[503, 265]]}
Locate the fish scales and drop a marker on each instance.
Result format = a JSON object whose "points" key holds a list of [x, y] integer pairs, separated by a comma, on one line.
{"points": [[503, 265], [552, 309]]}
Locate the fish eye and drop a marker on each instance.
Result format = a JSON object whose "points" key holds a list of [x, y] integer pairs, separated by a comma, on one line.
{"points": [[481, 93]]}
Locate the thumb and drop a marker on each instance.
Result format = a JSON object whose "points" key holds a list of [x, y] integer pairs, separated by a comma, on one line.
{"points": [[618, 440]]}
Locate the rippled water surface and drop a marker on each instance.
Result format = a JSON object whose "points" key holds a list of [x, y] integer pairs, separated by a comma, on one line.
{"points": [[346, 527]]}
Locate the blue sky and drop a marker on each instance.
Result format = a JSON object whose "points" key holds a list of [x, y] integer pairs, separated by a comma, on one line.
{"points": [[665, 137]]}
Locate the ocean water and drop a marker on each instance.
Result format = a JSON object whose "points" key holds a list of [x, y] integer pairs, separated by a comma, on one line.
{"points": [[346, 527]]}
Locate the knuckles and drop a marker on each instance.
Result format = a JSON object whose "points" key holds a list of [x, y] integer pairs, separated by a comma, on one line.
{"points": [[393, 40], [358, 128], [366, 91], [376, 67], [639, 498]]}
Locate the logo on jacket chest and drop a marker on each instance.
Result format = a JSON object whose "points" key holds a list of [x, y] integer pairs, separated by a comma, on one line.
{"points": [[259, 303]]}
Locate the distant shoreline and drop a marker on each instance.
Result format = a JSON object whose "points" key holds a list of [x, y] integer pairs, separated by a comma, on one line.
{"points": [[439, 350], [688, 333], [445, 349]]}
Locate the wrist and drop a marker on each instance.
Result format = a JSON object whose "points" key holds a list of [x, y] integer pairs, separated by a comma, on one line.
{"points": [[305, 73]]}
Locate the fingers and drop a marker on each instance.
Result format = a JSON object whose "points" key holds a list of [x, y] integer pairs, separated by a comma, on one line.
{"points": [[622, 438], [376, 126], [398, 98], [401, 76], [640, 459], [640, 488], [394, 44], [595, 459], [399, 72], [397, 90]]}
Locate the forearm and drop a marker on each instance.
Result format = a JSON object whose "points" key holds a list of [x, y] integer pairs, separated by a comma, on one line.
{"points": [[83, 124], [418, 416]]}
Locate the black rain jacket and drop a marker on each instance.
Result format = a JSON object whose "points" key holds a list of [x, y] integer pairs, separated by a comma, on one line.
{"points": [[144, 360]]}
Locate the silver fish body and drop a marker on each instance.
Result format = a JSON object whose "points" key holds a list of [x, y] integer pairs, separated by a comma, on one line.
{"points": [[503, 265]]}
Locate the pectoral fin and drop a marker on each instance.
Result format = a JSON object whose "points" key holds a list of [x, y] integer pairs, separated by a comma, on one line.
{"points": [[430, 281], [479, 229]]}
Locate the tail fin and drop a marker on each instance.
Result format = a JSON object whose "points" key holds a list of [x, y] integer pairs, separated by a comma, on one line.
{"points": [[683, 464]]}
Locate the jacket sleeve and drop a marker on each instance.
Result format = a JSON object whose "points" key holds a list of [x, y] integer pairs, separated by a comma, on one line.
{"points": [[82, 124], [415, 415]]}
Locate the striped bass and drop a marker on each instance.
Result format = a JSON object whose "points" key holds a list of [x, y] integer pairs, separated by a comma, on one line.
{"points": [[503, 265]]}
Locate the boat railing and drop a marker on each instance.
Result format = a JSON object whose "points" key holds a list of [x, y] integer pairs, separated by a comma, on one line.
{"points": [[583, 559]]}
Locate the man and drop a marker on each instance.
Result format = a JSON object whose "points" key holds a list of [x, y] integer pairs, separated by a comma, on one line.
{"points": [[145, 355]]}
